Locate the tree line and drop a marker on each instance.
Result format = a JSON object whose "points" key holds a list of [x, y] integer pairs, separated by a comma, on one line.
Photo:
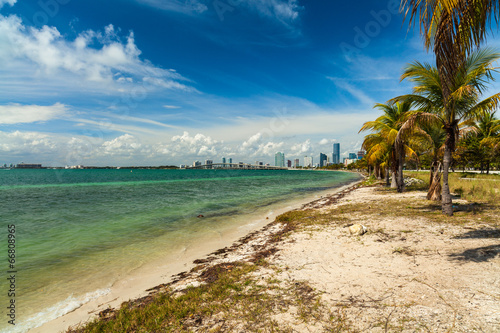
{"points": [[446, 121]]}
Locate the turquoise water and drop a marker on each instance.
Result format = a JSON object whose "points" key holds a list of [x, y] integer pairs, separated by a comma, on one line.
{"points": [[77, 231]]}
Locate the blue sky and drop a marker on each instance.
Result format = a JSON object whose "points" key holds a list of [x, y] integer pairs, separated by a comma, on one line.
{"points": [[155, 82]]}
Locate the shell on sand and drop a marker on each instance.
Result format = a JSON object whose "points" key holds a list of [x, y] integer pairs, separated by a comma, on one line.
{"points": [[357, 229]]}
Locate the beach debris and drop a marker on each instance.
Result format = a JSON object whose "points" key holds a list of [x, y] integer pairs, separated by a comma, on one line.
{"points": [[200, 216], [357, 229]]}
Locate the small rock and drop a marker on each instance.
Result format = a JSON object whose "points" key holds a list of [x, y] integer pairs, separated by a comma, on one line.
{"points": [[357, 229]]}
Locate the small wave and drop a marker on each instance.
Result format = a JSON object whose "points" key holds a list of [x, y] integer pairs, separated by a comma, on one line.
{"points": [[60, 309]]}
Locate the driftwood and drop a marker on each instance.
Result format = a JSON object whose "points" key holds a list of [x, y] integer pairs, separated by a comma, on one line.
{"points": [[435, 188]]}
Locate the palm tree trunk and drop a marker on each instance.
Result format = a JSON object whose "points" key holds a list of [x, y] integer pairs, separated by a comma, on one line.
{"points": [[431, 172], [377, 171], [387, 173], [446, 204], [400, 181], [394, 180]]}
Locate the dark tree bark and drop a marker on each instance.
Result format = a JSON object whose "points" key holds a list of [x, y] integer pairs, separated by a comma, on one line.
{"points": [[400, 179], [446, 203]]}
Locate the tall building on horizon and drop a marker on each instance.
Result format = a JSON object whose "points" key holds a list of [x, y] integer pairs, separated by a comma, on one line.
{"points": [[322, 160], [296, 163], [353, 156], [308, 161], [279, 159], [336, 153]]}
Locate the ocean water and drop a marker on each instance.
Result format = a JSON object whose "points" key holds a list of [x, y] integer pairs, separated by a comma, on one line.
{"points": [[78, 231]]}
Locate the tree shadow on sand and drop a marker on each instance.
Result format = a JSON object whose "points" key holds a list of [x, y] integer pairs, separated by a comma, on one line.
{"points": [[480, 254], [480, 233]]}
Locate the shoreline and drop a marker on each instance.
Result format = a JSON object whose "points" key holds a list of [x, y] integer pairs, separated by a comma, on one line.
{"points": [[151, 276]]}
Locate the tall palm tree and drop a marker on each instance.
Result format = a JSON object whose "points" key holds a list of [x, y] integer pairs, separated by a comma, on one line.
{"points": [[428, 95], [388, 126], [454, 29]]}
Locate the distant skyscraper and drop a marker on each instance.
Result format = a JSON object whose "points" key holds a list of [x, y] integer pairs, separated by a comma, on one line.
{"points": [[353, 156], [279, 160], [224, 161], [322, 160], [361, 154], [296, 163], [230, 160], [336, 153], [308, 161], [289, 163]]}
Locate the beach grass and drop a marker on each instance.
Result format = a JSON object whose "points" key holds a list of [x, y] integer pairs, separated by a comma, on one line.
{"points": [[472, 187]]}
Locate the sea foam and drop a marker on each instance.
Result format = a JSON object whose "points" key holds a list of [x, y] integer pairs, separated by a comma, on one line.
{"points": [[60, 309]]}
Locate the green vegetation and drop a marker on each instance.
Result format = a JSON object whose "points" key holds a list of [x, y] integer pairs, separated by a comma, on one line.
{"points": [[232, 300], [472, 187]]}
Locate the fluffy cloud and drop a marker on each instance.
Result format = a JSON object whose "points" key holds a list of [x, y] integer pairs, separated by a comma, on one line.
{"points": [[324, 142], [93, 56], [302, 148], [198, 145], [10, 2], [17, 113], [124, 145], [255, 146], [27, 143]]}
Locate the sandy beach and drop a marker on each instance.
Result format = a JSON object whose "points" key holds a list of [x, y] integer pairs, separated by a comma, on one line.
{"points": [[404, 274]]}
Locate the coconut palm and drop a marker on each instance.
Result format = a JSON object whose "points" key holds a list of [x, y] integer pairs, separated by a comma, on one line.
{"points": [[454, 29], [387, 126], [463, 102]]}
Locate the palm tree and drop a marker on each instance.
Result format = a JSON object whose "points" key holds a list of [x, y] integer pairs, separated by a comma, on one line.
{"points": [[463, 102], [487, 129], [377, 154], [387, 126], [453, 28]]}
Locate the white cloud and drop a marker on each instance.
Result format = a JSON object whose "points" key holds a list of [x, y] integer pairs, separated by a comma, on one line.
{"points": [[359, 94], [10, 2], [17, 113], [198, 145], [186, 6], [27, 143], [103, 58], [302, 148], [122, 145], [284, 11], [324, 142], [256, 147], [171, 107]]}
